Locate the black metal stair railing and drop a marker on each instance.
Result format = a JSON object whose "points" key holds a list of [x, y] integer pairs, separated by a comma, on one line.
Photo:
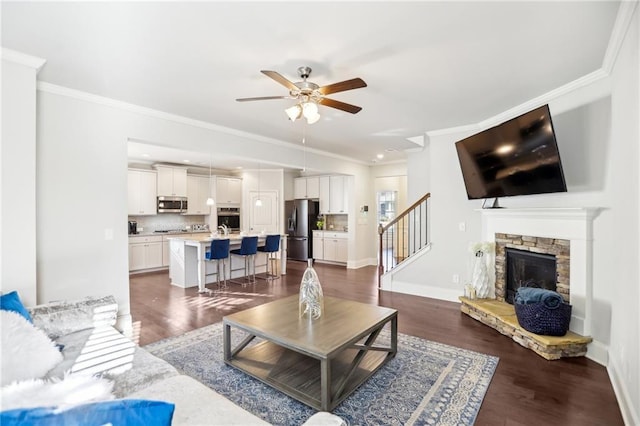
{"points": [[404, 236]]}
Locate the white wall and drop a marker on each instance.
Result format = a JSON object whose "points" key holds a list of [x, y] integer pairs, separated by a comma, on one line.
{"points": [[82, 173], [598, 135], [82, 201], [18, 176]]}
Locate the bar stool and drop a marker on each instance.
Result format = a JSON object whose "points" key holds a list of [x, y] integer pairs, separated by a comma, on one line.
{"points": [[219, 252], [271, 248], [248, 249]]}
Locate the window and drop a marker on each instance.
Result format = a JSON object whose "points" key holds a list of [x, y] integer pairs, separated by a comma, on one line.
{"points": [[387, 206]]}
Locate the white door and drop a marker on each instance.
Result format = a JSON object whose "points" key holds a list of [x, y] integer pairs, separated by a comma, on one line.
{"points": [[264, 218]]}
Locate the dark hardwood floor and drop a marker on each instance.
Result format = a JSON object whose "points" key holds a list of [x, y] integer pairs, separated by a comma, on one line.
{"points": [[525, 390]]}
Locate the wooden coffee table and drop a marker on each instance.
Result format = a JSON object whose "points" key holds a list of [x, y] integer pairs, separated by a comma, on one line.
{"points": [[318, 363]]}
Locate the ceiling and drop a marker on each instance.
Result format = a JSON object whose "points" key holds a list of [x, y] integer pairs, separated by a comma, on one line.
{"points": [[428, 65]]}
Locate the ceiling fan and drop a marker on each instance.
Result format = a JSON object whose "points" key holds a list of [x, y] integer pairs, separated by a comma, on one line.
{"points": [[310, 94]]}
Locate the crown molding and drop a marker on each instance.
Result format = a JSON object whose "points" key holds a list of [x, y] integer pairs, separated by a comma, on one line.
{"points": [[22, 59], [620, 28], [149, 112]]}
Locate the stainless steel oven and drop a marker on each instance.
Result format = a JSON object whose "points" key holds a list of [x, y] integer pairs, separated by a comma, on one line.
{"points": [[229, 217]]}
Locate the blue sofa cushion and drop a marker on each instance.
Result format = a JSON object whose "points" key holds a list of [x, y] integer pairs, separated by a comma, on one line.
{"points": [[11, 302], [119, 412]]}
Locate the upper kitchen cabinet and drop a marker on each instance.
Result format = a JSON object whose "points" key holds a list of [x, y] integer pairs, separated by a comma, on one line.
{"points": [[197, 194], [306, 188], [334, 195], [142, 192], [172, 181], [228, 191]]}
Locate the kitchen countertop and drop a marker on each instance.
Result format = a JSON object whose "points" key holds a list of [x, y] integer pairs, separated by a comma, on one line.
{"points": [[151, 233], [232, 236]]}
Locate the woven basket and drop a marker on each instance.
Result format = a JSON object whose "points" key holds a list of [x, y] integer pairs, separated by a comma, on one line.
{"points": [[539, 319]]}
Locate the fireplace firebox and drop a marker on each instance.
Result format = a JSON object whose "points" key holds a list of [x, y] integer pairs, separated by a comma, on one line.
{"points": [[528, 269]]}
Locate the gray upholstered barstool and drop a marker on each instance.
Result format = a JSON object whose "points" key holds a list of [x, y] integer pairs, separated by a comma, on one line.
{"points": [[248, 249]]}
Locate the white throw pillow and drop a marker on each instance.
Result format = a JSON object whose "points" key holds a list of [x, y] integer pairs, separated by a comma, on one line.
{"points": [[26, 352], [73, 389]]}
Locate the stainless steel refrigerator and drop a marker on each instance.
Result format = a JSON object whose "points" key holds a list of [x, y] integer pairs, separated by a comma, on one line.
{"points": [[300, 217]]}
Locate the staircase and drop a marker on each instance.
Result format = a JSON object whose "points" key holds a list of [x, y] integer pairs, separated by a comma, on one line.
{"points": [[403, 237]]}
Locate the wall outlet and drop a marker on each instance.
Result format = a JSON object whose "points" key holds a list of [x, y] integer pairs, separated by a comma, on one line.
{"points": [[455, 278], [462, 226], [108, 234]]}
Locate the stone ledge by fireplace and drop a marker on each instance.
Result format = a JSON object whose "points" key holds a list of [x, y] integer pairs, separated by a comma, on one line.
{"points": [[501, 316]]}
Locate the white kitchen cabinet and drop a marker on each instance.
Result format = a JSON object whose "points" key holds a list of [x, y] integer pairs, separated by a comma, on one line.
{"points": [[228, 191], [318, 245], [165, 250], [141, 186], [330, 246], [334, 195], [306, 188], [325, 194], [335, 247], [172, 181], [145, 253], [197, 194], [337, 202]]}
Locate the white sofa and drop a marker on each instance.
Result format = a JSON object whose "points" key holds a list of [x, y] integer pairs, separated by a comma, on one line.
{"points": [[136, 373]]}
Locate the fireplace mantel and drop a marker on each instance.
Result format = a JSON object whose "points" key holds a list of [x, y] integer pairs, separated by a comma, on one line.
{"points": [[573, 224]]}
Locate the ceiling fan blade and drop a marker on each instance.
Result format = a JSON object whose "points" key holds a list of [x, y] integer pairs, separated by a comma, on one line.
{"points": [[280, 79], [340, 105], [263, 98], [354, 83]]}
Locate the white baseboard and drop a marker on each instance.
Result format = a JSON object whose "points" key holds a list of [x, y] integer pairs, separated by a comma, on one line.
{"points": [[630, 415], [361, 263], [598, 352], [440, 293]]}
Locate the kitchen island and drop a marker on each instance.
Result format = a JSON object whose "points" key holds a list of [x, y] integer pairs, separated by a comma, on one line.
{"points": [[189, 268]]}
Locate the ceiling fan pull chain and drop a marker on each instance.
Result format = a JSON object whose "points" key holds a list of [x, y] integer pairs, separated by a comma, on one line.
{"points": [[304, 147]]}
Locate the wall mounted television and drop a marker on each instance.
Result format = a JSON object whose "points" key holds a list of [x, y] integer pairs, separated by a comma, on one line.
{"points": [[517, 157]]}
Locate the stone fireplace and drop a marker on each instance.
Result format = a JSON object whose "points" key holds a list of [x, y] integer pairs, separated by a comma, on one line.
{"points": [[565, 233], [523, 260]]}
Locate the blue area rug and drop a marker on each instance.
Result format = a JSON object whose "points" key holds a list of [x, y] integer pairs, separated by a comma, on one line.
{"points": [[427, 383]]}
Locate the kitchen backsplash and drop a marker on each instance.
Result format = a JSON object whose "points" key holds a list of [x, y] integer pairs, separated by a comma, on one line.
{"points": [[165, 222], [336, 222]]}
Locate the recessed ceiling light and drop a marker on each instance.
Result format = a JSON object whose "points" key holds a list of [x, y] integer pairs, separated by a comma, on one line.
{"points": [[186, 161], [146, 155], [380, 156]]}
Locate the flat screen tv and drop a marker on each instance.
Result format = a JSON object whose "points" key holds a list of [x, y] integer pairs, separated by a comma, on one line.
{"points": [[517, 157]]}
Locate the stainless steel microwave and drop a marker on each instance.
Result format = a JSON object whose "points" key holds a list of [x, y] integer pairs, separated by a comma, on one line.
{"points": [[172, 204]]}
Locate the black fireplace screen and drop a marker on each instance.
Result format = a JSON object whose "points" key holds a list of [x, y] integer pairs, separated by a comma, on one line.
{"points": [[528, 269]]}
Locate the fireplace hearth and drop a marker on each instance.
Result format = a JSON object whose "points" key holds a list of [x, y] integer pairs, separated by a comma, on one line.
{"points": [[528, 269]]}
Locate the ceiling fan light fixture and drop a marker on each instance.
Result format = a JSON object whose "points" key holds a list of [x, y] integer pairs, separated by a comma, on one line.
{"points": [[294, 112], [309, 109], [313, 118], [310, 112]]}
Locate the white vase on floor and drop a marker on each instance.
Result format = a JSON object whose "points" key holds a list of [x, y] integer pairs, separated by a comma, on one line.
{"points": [[480, 277]]}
